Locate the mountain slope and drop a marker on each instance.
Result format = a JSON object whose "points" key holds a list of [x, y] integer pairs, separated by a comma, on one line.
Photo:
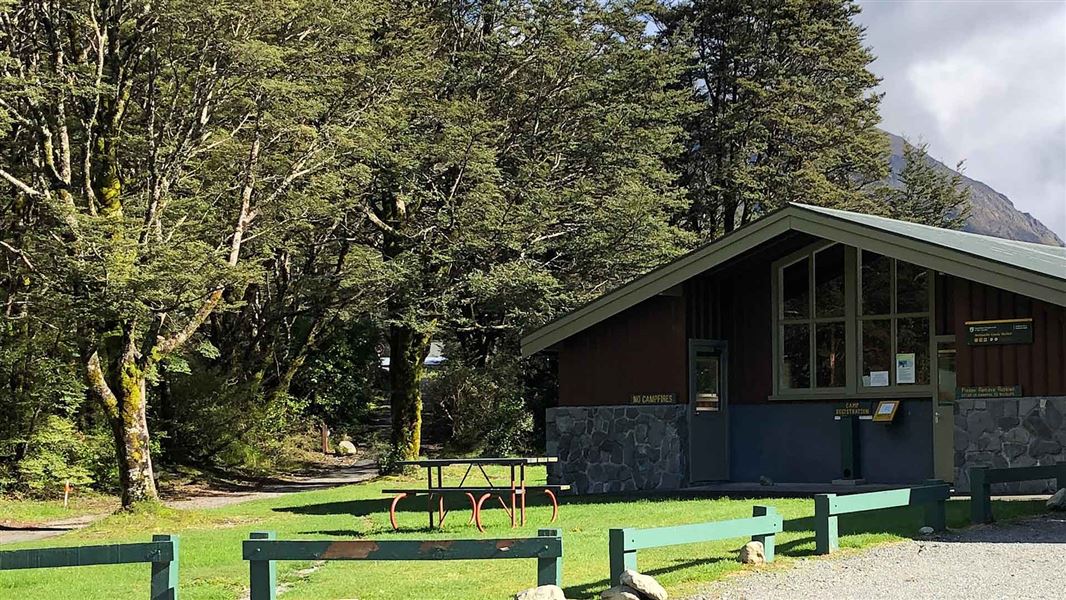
{"points": [[992, 213]]}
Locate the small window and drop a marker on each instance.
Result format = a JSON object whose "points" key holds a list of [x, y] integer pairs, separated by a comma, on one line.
{"points": [[829, 281], [876, 284], [830, 358], [912, 288], [796, 371], [796, 287]]}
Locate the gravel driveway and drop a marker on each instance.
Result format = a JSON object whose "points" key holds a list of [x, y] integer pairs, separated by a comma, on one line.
{"points": [[1022, 559]]}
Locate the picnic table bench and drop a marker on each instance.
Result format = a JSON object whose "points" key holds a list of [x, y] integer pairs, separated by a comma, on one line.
{"points": [[512, 496]]}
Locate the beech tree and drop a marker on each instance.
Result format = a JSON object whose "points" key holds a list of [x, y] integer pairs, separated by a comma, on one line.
{"points": [[147, 145], [787, 109], [924, 191], [525, 172]]}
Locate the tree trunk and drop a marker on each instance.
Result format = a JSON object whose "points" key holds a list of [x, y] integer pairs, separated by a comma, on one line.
{"points": [[131, 428], [122, 397], [407, 351]]}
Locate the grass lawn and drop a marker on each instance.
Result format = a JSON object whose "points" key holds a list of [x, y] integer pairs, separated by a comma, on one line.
{"points": [[36, 512], [211, 565]]}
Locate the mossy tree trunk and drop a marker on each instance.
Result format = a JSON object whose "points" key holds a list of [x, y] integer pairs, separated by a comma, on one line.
{"points": [[120, 389], [407, 351]]}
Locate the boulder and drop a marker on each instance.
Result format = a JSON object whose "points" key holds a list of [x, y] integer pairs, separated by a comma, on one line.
{"points": [[1058, 501], [345, 447], [543, 592], [926, 530], [752, 554], [620, 592], [645, 585]]}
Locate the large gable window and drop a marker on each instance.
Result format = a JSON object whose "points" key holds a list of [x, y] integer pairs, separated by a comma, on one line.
{"points": [[812, 328], [850, 321]]}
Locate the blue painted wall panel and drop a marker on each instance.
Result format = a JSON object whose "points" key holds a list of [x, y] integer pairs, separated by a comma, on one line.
{"points": [[799, 442]]}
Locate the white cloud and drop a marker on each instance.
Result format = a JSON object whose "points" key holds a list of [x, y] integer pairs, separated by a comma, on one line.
{"points": [[981, 81]]}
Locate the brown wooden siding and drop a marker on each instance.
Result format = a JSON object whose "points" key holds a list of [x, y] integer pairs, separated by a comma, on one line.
{"points": [[734, 304], [1040, 367], [639, 351]]}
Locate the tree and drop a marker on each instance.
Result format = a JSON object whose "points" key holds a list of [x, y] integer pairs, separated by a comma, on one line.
{"points": [[525, 173], [925, 191], [150, 140], [787, 108]]}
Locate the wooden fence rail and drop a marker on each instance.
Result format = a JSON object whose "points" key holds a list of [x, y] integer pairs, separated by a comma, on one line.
{"points": [[827, 507], [162, 552], [624, 543], [982, 478], [263, 549]]}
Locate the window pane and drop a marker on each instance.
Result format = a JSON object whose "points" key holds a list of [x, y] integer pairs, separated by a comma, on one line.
{"points": [[876, 288], [796, 367], [796, 295], [912, 337], [829, 282], [829, 345], [876, 351], [707, 382], [912, 288]]}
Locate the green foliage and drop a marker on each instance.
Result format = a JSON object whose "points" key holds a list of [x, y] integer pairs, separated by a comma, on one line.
{"points": [[787, 108], [483, 405], [926, 194], [57, 453]]}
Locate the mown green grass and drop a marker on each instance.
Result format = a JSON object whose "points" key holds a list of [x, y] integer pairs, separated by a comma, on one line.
{"points": [[43, 511], [211, 565]]}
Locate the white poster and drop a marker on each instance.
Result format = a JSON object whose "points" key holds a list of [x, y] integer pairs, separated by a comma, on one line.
{"points": [[905, 368], [878, 378]]}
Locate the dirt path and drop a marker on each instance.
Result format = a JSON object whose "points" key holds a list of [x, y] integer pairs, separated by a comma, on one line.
{"points": [[1022, 559], [213, 496]]}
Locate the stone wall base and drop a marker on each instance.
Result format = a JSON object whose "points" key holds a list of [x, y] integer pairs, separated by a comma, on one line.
{"points": [[1009, 432], [618, 448]]}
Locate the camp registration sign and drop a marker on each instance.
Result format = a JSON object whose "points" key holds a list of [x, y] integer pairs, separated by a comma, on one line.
{"points": [[852, 409], [1005, 331], [653, 399]]}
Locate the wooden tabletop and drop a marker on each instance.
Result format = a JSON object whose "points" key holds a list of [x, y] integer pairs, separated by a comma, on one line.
{"points": [[442, 462]]}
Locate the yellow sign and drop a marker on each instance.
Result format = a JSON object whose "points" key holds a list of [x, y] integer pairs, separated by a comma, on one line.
{"points": [[886, 410]]}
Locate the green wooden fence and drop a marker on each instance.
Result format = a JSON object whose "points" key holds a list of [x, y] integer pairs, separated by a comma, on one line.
{"points": [[624, 543], [827, 507], [162, 552], [982, 478], [263, 549]]}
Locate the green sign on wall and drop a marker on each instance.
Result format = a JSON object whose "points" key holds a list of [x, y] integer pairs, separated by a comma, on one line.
{"points": [[1004, 331], [990, 391]]}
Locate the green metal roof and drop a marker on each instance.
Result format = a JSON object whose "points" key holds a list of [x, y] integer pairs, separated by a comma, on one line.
{"points": [[1030, 269], [1037, 258]]}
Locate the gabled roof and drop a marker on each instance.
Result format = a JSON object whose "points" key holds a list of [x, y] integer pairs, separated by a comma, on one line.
{"points": [[1033, 270]]}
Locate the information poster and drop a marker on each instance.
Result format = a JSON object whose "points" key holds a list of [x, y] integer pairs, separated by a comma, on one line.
{"points": [[905, 368], [878, 378]]}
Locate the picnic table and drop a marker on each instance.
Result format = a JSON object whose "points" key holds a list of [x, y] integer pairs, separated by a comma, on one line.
{"points": [[511, 495]]}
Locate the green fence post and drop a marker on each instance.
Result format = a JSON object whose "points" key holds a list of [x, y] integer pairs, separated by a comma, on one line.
{"points": [[263, 576], [936, 515], [550, 569], [980, 496], [825, 525], [766, 539], [622, 558], [165, 574]]}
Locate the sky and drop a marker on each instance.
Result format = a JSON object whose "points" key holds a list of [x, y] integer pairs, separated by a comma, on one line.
{"points": [[982, 81]]}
